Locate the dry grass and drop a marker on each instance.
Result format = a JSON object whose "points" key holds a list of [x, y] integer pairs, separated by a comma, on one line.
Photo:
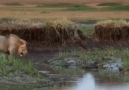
{"points": [[61, 31], [18, 24], [113, 23], [60, 14]]}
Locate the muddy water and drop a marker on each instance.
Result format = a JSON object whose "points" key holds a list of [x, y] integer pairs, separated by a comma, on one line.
{"points": [[89, 82]]}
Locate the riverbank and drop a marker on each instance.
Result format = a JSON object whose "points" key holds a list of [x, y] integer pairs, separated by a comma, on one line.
{"points": [[56, 64]]}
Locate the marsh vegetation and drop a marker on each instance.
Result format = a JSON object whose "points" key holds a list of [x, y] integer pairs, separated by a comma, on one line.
{"points": [[54, 43]]}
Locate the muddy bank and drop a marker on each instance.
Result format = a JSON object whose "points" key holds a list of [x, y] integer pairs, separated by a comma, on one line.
{"points": [[23, 82]]}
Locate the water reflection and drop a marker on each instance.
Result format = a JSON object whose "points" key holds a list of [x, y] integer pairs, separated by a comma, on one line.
{"points": [[88, 83]]}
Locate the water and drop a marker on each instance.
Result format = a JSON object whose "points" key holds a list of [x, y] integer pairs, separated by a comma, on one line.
{"points": [[88, 82]]}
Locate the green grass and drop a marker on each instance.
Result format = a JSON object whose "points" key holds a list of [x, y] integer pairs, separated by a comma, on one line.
{"points": [[13, 65], [114, 7], [83, 7], [97, 55], [117, 8], [68, 6], [87, 30]]}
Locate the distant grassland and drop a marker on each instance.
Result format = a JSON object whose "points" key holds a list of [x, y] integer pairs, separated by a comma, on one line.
{"points": [[65, 10], [86, 7], [68, 7], [13, 65]]}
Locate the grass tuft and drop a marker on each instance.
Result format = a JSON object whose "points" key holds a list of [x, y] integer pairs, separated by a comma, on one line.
{"points": [[14, 65], [113, 23], [10, 23], [50, 30]]}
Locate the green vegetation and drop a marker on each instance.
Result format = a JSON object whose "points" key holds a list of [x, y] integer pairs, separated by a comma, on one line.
{"points": [[87, 30], [114, 7], [84, 7], [97, 55], [113, 23], [117, 8], [67, 6], [14, 65]]}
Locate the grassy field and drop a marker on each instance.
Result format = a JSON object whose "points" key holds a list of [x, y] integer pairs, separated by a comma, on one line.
{"points": [[30, 15], [65, 10], [15, 66], [73, 11]]}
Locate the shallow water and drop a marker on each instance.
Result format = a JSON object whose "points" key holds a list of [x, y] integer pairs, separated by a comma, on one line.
{"points": [[89, 82]]}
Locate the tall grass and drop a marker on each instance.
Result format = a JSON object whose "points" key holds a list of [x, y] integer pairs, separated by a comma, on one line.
{"points": [[114, 23], [30, 23], [15, 65], [87, 30]]}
